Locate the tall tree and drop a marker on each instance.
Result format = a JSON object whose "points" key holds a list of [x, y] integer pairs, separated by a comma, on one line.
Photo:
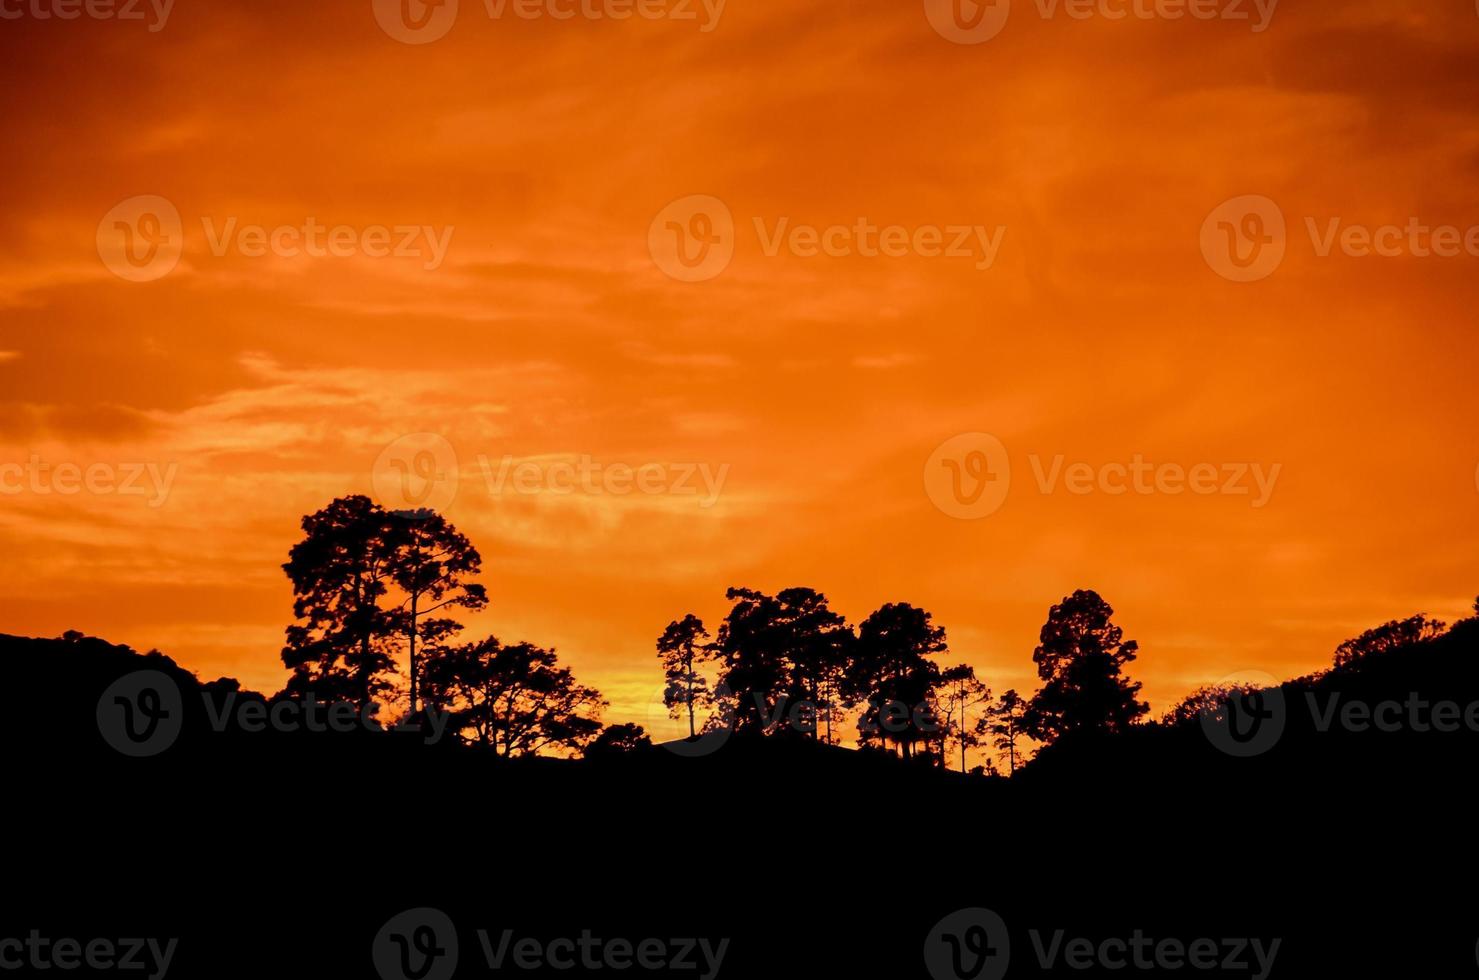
{"points": [[816, 641], [1004, 722], [962, 691], [892, 673], [781, 657], [432, 564], [751, 652], [682, 645], [516, 699], [1080, 660], [341, 648]]}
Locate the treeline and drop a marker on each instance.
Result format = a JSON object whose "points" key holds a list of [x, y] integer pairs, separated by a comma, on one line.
{"points": [[371, 585], [789, 665]]}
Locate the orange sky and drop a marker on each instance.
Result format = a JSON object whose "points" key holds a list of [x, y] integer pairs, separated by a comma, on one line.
{"points": [[818, 385]]}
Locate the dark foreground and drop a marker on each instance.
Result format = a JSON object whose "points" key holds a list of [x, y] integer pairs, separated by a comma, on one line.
{"points": [[298, 855]]}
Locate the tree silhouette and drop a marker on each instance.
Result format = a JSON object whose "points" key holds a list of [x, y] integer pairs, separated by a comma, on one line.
{"points": [[1209, 699], [781, 657], [891, 673], [962, 691], [431, 562], [1080, 659], [680, 647], [340, 571], [515, 699], [816, 642], [618, 740], [1004, 722], [1389, 636], [752, 656]]}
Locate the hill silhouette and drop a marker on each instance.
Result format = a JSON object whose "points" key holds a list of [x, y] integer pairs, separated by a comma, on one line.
{"points": [[285, 851]]}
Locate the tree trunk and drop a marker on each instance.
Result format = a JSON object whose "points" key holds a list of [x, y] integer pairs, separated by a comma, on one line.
{"points": [[413, 654], [962, 736], [415, 594], [691, 732]]}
